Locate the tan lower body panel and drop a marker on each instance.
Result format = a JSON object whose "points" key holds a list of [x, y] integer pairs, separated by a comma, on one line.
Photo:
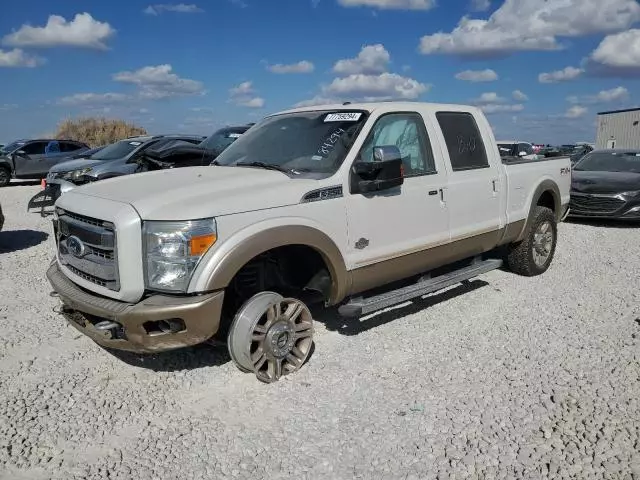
{"points": [[388, 271], [200, 314]]}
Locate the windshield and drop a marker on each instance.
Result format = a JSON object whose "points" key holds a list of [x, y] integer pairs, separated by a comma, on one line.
{"points": [[221, 139], [315, 142], [610, 162], [116, 150], [11, 147]]}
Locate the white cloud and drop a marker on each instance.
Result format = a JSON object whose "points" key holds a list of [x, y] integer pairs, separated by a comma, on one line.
{"points": [[529, 25], [519, 96], [18, 58], [487, 75], [576, 111], [489, 97], [390, 4], [564, 75], [8, 106], [617, 54], [480, 5], [498, 108], [83, 31], [491, 102], [317, 100], [386, 86], [618, 94], [303, 66], [244, 95], [172, 7], [160, 82], [92, 99], [372, 59]]}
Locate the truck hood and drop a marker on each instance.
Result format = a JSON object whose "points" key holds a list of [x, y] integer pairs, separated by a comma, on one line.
{"points": [[201, 192], [71, 165], [604, 182]]}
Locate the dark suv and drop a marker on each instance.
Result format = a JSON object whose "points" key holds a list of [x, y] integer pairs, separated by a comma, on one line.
{"points": [[32, 159]]}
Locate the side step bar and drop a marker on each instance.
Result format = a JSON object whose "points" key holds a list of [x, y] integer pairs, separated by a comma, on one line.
{"points": [[359, 306]]}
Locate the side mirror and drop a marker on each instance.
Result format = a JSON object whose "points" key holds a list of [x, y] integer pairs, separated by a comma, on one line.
{"points": [[385, 172], [522, 154]]}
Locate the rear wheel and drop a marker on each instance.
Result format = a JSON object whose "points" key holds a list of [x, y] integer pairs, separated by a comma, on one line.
{"points": [[271, 336], [533, 255], [5, 177]]}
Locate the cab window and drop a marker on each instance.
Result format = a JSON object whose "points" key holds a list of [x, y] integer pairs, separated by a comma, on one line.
{"points": [[407, 132]]}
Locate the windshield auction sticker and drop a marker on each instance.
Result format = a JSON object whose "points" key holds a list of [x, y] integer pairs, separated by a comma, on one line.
{"points": [[343, 117]]}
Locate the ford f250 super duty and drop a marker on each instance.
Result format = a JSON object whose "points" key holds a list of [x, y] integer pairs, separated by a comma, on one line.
{"points": [[358, 206]]}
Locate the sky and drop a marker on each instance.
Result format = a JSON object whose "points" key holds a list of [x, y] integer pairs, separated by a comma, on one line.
{"points": [[539, 69]]}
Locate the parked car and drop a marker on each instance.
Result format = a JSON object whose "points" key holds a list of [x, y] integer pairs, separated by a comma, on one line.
{"points": [[119, 158], [606, 184], [188, 155], [518, 149], [327, 204], [579, 151], [32, 159]]}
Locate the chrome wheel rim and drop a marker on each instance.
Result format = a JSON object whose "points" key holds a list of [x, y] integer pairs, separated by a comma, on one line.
{"points": [[271, 336], [542, 243]]}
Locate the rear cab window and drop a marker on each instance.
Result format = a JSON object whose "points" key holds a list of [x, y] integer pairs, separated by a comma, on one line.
{"points": [[464, 141]]}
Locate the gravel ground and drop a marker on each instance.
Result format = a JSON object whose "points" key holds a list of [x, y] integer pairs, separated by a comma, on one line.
{"points": [[508, 377]]}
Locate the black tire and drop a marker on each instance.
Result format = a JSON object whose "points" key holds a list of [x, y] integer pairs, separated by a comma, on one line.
{"points": [[5, 176], [524, 258]]}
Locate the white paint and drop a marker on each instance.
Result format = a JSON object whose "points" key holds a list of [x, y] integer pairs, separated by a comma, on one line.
{"points": [[247, 201]]}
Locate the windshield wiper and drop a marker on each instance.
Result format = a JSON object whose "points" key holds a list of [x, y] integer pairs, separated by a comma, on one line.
{"points": [[266, 166]]}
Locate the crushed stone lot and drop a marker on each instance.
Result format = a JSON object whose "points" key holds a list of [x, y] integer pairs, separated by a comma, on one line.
{"points": [[507, 377]]}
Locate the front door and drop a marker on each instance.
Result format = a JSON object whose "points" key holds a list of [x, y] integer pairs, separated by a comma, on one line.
{"points": [[29, 163], [387, 230]]}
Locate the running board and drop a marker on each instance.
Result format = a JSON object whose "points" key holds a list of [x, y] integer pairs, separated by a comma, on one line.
{"points": [[359, 306]]}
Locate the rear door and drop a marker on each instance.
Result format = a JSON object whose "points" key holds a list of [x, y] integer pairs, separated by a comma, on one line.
{"points": [[29, 163], [405, 220], [473, 191]]}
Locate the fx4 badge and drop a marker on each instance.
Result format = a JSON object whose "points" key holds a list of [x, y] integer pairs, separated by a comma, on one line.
{"points": [[565, 171], [362, 243]]}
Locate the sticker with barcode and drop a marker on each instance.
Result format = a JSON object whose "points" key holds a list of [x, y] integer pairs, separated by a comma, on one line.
{"points": [[343, 117]]}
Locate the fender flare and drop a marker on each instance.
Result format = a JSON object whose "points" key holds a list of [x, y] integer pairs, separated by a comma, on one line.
{"points": [[544, 186], [224, 264]]}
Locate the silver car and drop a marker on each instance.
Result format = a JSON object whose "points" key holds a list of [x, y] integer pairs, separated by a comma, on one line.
{"points": [[119, 158]]}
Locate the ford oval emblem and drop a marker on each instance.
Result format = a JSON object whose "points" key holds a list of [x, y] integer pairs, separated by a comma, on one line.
{"points": [[76, 247]]}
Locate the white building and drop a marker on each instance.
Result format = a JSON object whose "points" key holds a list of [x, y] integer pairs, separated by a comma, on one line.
{"points": [[619, 129]]}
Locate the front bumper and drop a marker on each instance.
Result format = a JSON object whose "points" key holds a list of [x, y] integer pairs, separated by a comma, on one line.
{"points": [[135, 327]]}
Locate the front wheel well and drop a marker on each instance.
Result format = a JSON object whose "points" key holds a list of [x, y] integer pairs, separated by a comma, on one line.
{"points": [[292, 270], [547, 200]]}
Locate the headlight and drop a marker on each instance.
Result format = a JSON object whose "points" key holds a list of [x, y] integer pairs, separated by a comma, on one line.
{"points": [[173, 250], [635, 193], [76, 174]]}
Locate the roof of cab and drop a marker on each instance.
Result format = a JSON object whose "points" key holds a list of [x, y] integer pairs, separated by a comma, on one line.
{"points": [[386, 107]]}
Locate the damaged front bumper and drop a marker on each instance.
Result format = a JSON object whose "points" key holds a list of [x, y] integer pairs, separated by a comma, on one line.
{"points": [[49, 194], [156, 323]]}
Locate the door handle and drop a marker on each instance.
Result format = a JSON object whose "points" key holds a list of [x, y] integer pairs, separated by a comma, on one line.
{"points": [[433, 192]]}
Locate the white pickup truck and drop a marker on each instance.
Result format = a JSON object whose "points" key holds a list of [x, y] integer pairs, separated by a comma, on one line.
{"points": [[359, 206]]}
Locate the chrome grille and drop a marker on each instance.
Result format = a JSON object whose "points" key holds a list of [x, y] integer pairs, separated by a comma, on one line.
{"points": [[595, 203], [87, 247]]}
